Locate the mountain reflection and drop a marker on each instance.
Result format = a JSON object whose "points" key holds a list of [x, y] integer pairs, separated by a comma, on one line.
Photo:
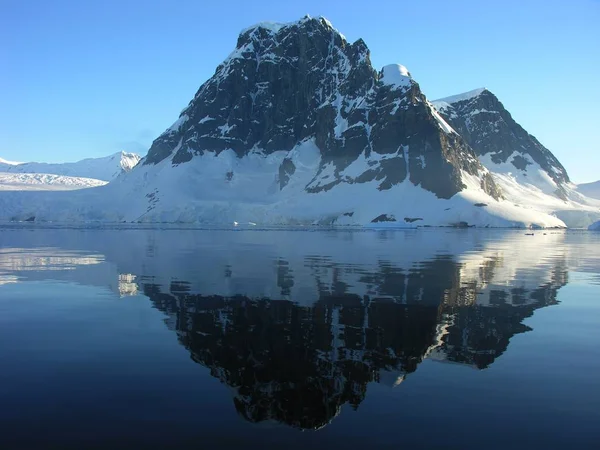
{"points": [[299, 324], [299, 364]]}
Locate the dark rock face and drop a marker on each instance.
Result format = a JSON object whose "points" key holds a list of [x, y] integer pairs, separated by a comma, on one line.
{"points": [[383, 218], [286, 170], [488, 127], [285, 84]]}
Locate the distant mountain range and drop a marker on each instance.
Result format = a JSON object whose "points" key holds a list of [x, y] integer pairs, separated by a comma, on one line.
{"points": [[297, 127], [90, 172], [105, 168]]}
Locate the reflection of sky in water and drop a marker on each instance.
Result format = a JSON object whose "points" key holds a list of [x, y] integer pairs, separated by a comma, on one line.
{"points": [[295, 265], [37, 259], [16, 260]]}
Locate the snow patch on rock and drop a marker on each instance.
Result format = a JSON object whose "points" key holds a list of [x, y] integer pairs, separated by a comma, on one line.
{"points": [[441, 122], [461, 97], [396, 75]]}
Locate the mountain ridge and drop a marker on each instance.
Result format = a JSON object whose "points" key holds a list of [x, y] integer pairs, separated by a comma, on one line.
{"points": [[105, 168], [490, 130]]}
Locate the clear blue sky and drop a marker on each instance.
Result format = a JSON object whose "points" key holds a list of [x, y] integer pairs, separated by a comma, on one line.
{"points": [[84, 78]]}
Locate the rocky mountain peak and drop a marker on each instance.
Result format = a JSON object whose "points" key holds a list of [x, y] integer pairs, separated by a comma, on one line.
{"points": [[285, 84], [494, 135], [307, 24]]}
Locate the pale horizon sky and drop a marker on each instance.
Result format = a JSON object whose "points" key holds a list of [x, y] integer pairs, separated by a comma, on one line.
{"points": [[84, 79]]}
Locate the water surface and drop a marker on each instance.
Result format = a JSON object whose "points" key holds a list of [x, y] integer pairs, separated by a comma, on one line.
{"points": [[207, 339]]}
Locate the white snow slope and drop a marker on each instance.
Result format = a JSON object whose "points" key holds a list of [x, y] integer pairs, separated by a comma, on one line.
{"points": [[534, 189], [446, 101], [590, 189], [200, 191], [44, 182], [106, 168], [9, 163]]}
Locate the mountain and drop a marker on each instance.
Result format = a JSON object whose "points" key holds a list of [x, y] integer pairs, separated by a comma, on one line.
{"points": [[286, 85], [527, 172], [105, 169], [297, 127], [590, 189], [500, 142]]}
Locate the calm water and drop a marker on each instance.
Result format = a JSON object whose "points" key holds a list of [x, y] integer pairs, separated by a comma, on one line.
{"points": [[328, 339]]}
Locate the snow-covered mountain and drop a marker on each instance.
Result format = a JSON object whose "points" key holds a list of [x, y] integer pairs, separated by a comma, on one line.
{"points": [[590, 189], [286, 85], [297, 127], [105, 169], [501, 143], [527, 172]]}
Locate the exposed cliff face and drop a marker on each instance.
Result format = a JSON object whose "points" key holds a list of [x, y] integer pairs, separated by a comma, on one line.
{"points": [[285, 84], [497, 139]]}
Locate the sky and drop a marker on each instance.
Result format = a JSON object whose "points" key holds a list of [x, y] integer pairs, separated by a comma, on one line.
{"points": [[83, 79]]}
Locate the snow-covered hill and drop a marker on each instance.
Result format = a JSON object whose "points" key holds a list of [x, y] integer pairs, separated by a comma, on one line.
{"points": [[8, 163], [106, 168], [297, 127], [44, 182], [590, 189]]}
